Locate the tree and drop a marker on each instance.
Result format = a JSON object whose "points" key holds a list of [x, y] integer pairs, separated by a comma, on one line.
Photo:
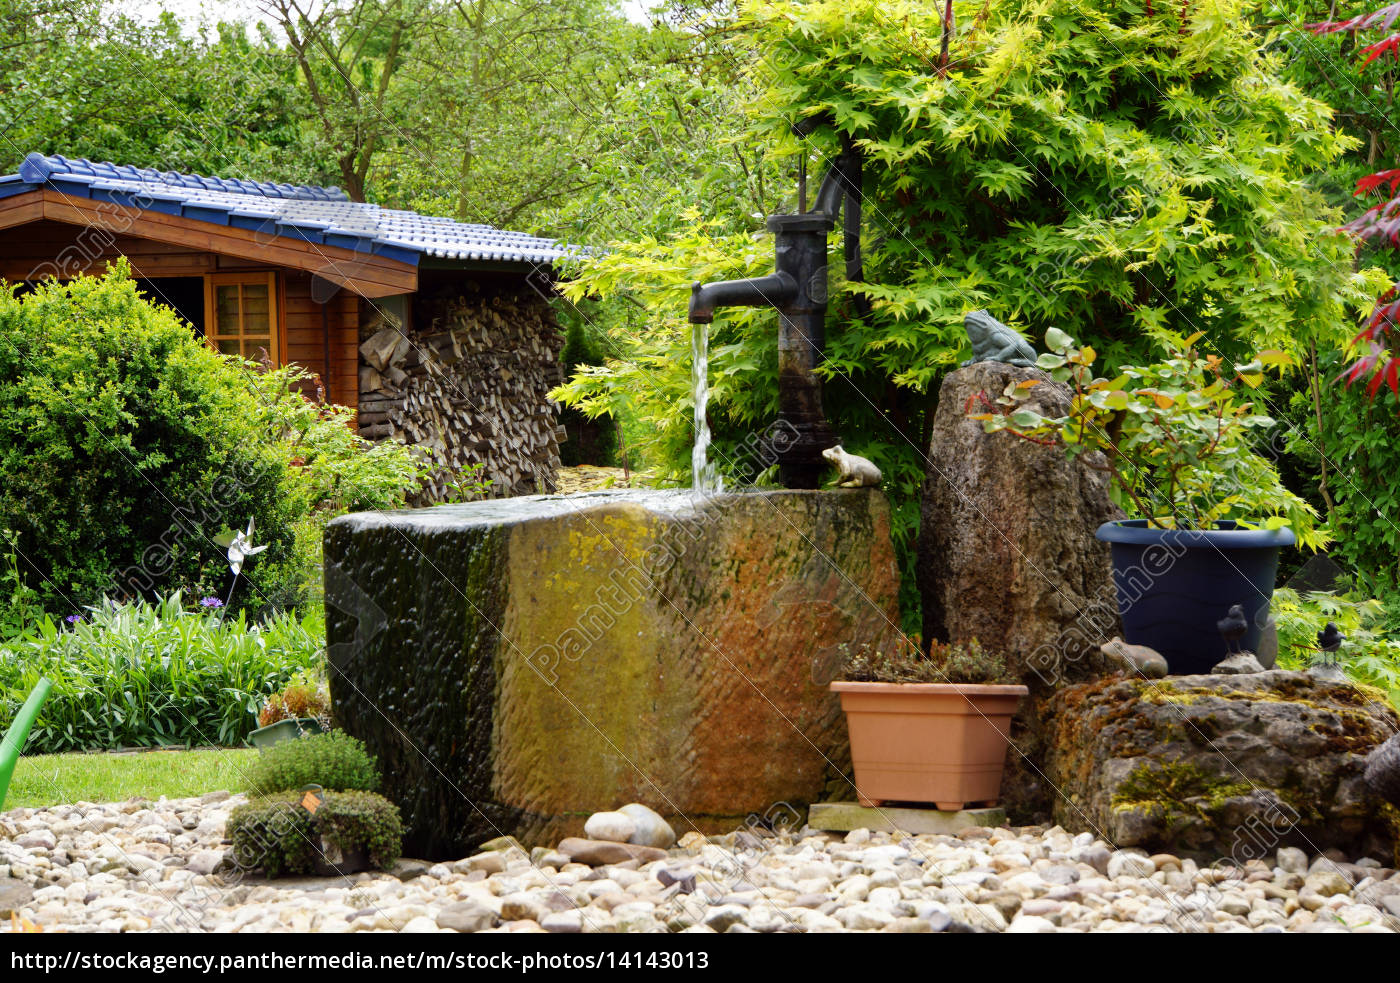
{"points": [[1380, 223], [1127, 172], [81, 79], [349, 55]]}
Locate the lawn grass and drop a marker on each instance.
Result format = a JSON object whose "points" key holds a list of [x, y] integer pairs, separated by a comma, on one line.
{"points": [[52, 779]]}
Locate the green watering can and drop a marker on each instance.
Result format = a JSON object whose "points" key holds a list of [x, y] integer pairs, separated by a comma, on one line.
{"points": [[13, 741]]}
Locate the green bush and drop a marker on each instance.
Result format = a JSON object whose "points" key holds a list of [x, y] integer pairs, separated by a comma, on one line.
{"points": [[143, 675], [1361, 440], [1367, 655], [1177, 436], [334, 469], [1113, 170], [334, 760], [127, 446], [591, 441], [280, 835]]}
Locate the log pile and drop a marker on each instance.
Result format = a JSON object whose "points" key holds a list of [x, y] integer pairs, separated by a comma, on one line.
{"points": [[468, 383]]}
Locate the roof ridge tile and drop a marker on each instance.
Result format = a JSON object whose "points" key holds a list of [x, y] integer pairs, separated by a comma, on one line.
{"points": [[307, 211]]}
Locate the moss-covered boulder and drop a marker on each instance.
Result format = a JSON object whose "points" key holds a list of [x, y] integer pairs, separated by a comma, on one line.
{"points": [[1222, 765], [517, 665]]}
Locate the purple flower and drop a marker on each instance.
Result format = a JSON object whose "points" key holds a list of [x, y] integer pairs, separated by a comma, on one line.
{"points": [[73, 619], [210, 602]]}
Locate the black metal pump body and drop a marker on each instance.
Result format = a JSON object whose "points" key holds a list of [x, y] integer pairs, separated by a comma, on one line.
{"points": [[798, 291]]}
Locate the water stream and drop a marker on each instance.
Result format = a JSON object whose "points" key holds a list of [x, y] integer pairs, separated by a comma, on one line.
{"points": [[704, 476]]}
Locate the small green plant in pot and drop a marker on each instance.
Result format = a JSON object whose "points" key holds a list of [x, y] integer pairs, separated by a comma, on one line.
{"points": [[315, 832], [315, 810], [1210, 514], [928, 727]]}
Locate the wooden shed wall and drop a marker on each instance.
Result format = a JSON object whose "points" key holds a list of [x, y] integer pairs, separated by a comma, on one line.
{"points": [[46, 248], [303, 336]]}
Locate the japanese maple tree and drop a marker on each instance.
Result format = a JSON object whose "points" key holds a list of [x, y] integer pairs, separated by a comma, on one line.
{"points": [[1380, 223]]}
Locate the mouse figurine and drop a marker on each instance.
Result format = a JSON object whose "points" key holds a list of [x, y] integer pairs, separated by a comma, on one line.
{"points": [[856, 472], [993, 341]]}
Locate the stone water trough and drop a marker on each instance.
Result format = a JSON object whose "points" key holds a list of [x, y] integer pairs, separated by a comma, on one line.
{"points": [[519, 664]]}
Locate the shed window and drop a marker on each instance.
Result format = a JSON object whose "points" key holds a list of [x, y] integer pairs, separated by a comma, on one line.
{"points": [[240, 314]]}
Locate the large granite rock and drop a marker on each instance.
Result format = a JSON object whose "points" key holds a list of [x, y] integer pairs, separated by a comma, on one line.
{"points": [[1007, 555], [1223, 765], [519, 664]]}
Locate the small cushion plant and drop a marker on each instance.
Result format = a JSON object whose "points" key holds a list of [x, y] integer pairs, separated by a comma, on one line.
{"points": [[280, 834], [904, 662], [334, 760]]}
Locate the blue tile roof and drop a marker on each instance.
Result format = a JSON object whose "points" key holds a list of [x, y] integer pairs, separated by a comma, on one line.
{"points": [[299, 211]]}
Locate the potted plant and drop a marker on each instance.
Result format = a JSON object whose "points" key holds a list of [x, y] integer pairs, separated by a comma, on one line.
{"points": [[928, 728], [315, 831], [301, 708], [312, 808], [1208, 515]]}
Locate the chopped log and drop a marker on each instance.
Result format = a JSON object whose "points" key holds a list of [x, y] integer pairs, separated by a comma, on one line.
{"points": [[381, 347], [469, 385]]}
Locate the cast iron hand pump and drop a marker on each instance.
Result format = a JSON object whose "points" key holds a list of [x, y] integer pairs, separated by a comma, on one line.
{"points": [[798, 292]]}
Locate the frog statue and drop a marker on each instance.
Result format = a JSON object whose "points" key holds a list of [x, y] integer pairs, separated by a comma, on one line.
{"points": [[993, 341]]}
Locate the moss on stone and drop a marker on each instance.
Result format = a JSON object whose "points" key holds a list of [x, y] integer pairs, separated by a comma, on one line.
{"points": [[1174, 785], [1161, 694], [1390, 818], [1139, 760]]}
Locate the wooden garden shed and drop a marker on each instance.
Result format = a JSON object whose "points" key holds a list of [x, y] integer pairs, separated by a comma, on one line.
{"points": [[438, 332]]}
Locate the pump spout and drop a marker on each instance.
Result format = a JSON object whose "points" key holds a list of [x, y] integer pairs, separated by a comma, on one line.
{"points": [[797, 291], [776, 290]]}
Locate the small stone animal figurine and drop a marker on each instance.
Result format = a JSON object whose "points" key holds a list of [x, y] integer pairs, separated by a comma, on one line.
{"points": [[1330, 640], [1135, 658], [1233, 627], [993, 341], [856, 472]]}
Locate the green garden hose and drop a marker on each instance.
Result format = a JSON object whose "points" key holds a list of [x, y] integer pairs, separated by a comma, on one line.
{"points": [[13, 741]]}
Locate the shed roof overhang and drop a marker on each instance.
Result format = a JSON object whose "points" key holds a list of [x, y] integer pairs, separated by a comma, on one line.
{"points": [[362, 273]]}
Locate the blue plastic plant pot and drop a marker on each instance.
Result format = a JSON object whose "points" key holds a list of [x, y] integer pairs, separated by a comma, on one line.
{"points": [[1173, 585]]}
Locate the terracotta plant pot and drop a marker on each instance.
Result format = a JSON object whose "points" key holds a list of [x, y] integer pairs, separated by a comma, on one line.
{"points": [[943, 743]]}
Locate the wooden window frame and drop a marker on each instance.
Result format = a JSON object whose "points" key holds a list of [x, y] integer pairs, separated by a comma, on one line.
{"points": [[277, 340]]}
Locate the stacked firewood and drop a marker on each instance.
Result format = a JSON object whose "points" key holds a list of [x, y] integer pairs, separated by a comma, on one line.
{"points": [[471, 388]]}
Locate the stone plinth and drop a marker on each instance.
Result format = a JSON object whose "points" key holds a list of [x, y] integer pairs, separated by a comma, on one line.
{"points": [[846, 816], [1007, 555], [519, 664], [1222, 765]]}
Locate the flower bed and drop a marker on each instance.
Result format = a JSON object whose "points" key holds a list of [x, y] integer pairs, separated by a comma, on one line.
{"points": [[144, 675]]}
